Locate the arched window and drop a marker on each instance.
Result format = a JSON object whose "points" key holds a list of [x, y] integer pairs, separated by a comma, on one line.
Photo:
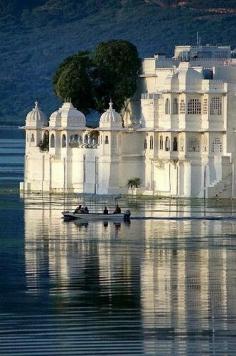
{"points": [[106, 140], [52, 140], [216, 106], [167, 107], [94, 140], [167, 144], [63, 141], [74, 140], [151, 142], [175, 144], [32, 138], [145, 144], [161, 142], [175, 106], [194, 107], [85, 139], [80, 139], [44, 143]]}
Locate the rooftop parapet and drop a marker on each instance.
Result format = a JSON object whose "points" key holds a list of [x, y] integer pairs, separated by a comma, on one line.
{"points": [[210, 62], [213, 84], [202, 52], [149, 65], [215, 56]]}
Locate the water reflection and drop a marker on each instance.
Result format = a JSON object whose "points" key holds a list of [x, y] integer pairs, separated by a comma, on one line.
{"points": [[162, 287]]}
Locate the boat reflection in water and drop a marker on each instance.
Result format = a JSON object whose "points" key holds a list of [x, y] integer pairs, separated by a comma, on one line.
{"points": [[151, 287]]}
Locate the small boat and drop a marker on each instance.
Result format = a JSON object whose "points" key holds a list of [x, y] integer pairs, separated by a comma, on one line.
{"points": [[96, 216]]}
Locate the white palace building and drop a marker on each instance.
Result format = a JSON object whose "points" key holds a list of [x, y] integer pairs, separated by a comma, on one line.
{"points": [[178, 136]]}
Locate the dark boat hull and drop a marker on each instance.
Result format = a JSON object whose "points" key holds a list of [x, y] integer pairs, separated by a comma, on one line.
{"points": [[93, 216]]}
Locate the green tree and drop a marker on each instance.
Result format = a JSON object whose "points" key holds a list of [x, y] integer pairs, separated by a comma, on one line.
{"points": [[72, 81], [117, 64], [44, 143], [90, 80]]}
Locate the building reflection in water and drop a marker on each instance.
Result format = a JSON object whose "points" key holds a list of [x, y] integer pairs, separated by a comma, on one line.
{"points": [[96, 253], [178, 276], [187, 282]]}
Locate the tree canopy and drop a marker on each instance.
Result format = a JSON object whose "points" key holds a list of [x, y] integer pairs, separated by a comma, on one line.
{"points": [[72, 80], [90, 79]]}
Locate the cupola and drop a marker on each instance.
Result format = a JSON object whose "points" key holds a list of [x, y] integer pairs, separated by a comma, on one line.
{"points": [[110, 119], [55, 119], [67, 116], [36, 118]]}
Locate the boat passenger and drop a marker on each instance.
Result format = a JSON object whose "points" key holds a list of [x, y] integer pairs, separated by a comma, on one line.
{"points": [[105, 211], [82, 209], [78, 209], [86, 211], [117, 210], [127, 216]]}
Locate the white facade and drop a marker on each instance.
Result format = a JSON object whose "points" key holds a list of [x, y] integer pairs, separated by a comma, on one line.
{"points": [[80, 159], [179, 140]]}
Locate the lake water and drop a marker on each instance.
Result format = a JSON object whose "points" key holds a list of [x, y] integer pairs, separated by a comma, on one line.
{"points": [[11, 156], [151, 287]]}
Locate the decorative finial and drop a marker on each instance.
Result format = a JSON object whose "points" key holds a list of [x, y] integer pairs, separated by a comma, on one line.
{"points": [[36, 104], [110, 104]]}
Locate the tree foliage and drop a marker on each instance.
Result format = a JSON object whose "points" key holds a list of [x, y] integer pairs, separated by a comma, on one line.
{"points": [[72, 81], [117, 64], [44, 143], [91, 79], [35, 36]]}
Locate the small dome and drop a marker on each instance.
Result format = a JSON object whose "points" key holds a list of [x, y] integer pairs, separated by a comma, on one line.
{"points": [[71, 117], [110, 119], [55, 119], [67, 116], [36, 117]]}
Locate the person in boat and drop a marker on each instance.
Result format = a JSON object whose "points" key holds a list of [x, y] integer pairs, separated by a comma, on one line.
{"points": [[82, 210], [78, 209], [117, 210], [127, 216], [86, 211], [105, 211]]}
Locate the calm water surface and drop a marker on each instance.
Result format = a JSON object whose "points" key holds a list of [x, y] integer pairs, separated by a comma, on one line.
{"points": [[152, 287]]}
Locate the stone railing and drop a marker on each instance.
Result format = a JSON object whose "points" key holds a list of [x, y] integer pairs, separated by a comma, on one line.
{"points": [[82, 145]]}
